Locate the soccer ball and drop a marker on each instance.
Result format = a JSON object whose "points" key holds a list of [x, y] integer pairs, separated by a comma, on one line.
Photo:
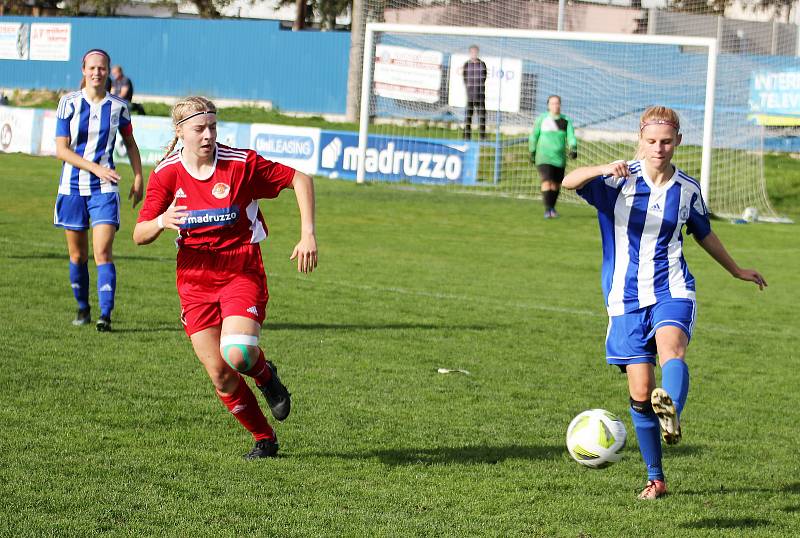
{"points": [[750, 214], [595, 438]]}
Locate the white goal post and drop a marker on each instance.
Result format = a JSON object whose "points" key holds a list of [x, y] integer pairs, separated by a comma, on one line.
{"points": [[707, 44]]}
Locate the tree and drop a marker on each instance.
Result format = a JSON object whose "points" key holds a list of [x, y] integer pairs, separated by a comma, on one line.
{"points": [[781, 9], [207, 9], [325, 11]]}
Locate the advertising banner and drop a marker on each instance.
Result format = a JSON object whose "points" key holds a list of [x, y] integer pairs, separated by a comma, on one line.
{"points": [[297, 147], [775, 97], [408, 74], [153, 134], [50, 41], [17, 126], [503, 82], [417, 160], [47, 139], [14, 37]]}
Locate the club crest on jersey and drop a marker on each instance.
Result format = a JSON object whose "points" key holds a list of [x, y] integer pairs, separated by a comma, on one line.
{"points": [[684, 213], [220, 190]]}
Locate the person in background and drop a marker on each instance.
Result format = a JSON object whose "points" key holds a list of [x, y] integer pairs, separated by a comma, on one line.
{"points": [[475, 72], [122, 87], [552, 139], [87, 125]]}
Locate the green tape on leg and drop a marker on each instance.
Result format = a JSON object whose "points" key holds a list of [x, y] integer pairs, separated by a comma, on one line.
{"points": [[245, 350]]}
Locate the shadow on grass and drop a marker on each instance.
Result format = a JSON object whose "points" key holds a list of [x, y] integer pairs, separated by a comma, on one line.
{"points": [[282, 326], [158, 329], [727, 523], [469, 455], [64, 256]]}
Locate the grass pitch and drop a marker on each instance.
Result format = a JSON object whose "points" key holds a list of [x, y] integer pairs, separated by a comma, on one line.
{"points": [[121, 434]]}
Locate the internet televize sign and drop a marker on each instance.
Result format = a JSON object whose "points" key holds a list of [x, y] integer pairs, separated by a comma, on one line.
{"points": [[775, 92], [388, 158]]}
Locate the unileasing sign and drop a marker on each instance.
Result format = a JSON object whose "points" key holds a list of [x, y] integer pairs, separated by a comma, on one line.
{"points": [[389, 158]]}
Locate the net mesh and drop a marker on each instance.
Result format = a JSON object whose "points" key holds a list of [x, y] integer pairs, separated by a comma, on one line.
{"points": [[417, 91]]}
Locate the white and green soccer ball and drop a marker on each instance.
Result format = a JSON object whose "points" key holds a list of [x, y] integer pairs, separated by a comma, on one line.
{"points": [[595, 438]]}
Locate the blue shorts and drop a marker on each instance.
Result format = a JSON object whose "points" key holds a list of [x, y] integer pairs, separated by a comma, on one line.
{"points": [[631, 338], [74, 212]]}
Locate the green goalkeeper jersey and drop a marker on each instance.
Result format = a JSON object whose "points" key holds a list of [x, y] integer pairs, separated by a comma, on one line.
{"points": [[551, 138]]}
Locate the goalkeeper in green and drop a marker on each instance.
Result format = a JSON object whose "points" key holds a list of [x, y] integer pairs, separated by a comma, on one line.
{"points": [[552, 139]]}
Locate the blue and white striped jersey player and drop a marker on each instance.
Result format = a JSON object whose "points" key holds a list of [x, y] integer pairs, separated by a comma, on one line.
{"points": [[643, 206], [86, 129]]}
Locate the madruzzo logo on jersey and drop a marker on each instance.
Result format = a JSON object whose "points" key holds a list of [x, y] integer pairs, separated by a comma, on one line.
{"points": [[418, 160], [224, 216]]}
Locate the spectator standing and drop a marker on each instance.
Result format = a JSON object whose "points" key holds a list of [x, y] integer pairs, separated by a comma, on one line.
{"points": [[475, 72], [122, 87]]}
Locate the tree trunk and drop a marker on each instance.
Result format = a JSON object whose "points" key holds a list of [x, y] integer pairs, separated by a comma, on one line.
{"points": [[300, 16]]}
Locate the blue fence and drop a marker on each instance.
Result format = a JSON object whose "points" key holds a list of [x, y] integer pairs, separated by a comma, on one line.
{"points": [[297, 71]]}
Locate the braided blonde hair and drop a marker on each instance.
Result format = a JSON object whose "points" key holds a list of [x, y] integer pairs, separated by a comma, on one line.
{"points": [[656, 115], [183, 109]]}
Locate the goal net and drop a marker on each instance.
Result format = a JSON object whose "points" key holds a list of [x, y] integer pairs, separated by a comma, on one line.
{"points": [[415, 102]]}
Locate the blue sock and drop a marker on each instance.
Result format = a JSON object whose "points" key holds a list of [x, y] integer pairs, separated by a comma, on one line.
{"points": [[648, 433], [106, 287], [79, 279], [675, 380]]}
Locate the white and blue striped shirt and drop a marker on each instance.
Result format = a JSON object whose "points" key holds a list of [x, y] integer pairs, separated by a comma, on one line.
{"points": [[640, 227], [92, 131]]}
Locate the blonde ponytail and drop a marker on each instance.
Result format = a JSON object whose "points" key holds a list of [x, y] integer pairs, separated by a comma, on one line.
{"points": [[170, 147], [182, 110]]}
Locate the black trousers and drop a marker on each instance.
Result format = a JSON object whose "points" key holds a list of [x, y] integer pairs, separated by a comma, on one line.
{"points": [[472, 107]]}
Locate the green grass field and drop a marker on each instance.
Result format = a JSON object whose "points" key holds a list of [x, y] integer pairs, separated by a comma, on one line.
{"points": [[121, 434]]}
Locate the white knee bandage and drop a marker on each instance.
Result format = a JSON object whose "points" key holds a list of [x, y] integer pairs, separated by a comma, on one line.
{"points": [[242, 342]]}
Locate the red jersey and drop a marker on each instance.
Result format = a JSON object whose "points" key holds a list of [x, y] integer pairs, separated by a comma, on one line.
{"points": [[223, 208]]}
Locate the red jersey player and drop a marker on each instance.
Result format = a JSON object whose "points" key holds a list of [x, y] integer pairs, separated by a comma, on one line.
{"points": [[209, 193]]}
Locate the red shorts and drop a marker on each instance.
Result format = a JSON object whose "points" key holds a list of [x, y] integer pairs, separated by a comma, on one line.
{"points": [[213, 285]]}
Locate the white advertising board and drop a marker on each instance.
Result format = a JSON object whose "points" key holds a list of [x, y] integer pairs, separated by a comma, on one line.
{"points": [[14, 41], [16, 129], [297, 147], [408, 74], [503, 82], [50, 41]]}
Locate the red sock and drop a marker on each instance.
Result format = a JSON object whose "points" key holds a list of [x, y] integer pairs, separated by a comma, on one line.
{"points": [[259, 371], [243, 405]]}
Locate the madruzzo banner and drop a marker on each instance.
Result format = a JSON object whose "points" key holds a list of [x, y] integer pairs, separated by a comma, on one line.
{"points": [[388, 158]]}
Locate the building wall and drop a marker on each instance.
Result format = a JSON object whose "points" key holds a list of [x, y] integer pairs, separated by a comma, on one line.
{"points": [[233, 59]]}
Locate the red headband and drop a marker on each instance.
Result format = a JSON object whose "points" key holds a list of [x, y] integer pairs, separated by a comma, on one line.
{"points": [[658, 122], [97, 51]]}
